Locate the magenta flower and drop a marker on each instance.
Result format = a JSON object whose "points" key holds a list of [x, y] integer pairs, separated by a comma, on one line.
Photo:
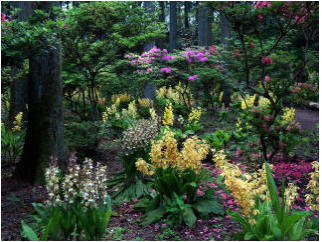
{"points": [[167, 57], [166, 69], [202, 59], [188, 59], [267, 78], [192, 78], [262, 4], [4, 17], [266, 60], [260, 17]]}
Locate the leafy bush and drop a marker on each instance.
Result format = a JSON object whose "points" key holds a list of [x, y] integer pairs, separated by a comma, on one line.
{"points": [[217, 139], [82, 137], [12, 140]]}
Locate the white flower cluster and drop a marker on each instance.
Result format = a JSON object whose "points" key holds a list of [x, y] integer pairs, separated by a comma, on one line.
{"points": [[85, 184], [139, 135]]}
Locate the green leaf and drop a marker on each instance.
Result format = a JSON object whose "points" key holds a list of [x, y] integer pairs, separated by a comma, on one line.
{"points": [[153, 215], [189, 217], [274, 193], [209, 206], [13, 198], [28, 232]]}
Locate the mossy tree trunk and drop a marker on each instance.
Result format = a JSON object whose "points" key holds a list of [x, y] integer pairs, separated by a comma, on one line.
{"points": [[45, 130]]}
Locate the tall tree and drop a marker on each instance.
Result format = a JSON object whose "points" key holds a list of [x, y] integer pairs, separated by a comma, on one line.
{"points": [[149, 88], [205, 18], [187, 8], [45, 130], [173, 26], [225, 34], [18, 90]]}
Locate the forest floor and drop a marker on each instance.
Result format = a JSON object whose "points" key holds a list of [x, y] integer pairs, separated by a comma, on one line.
{"points": [[16, 200]]}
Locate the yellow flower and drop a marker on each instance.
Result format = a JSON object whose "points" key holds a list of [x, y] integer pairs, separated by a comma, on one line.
{"points": [[132, 111], [145, 102], [264, 102], [144, 167], [312, 199], [248, 102], [291, 194], [153, 114], [117, 99], [165, 153], [288, 115], [244, 187], [104, 117], [195, 115], [221, 96], [168, 115], [17, 122]]}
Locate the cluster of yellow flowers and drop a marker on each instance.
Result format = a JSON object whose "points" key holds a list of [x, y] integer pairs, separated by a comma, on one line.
{"points": [[248, 101], [221, 96], [244, 187], [177, 95], [312, 199], [290, 194], [165, 153], [153, 114], [109, 111], [195, 115], [131, 110], [144, 167], [145, 102], [117, 99], [288, 115], [168, 115], [17, 123]]}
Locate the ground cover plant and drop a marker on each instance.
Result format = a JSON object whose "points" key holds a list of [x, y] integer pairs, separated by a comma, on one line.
{"points": [[159, 120]]}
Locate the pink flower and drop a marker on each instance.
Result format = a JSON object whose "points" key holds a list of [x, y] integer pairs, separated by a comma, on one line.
{"points": [[266, 60], [261, 4], [192, 78], [200, 192], [167, 57], [267, 78], [4, 17], [252, 45], [166, 69], [188, 59], [260, 17], [202, 59]]}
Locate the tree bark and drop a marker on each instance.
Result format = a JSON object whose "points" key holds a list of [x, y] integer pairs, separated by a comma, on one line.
{"points": [[18, 91], [45, 130], [225, 32], [187, 7], [173, 26], [204, 26]]}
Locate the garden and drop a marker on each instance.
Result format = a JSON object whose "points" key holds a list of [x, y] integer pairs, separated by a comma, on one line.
{"points": [[160, 120]]}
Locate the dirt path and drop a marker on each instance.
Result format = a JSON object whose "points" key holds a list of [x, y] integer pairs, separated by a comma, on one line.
{"points": [[307, 118]]}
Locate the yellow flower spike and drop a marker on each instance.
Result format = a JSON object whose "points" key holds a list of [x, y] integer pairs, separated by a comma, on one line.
{"points": [[288, 115], [145, 102], [248, 102], [195, 115], [17, 122], [312, 199], [168, 116]]}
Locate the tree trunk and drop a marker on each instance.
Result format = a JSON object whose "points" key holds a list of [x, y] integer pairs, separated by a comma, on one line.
{"points": [[18, 91], [225, 33], [187, 7], [162, 11], [149, 87], [45, 130], [173, 26], [204, 26]]}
